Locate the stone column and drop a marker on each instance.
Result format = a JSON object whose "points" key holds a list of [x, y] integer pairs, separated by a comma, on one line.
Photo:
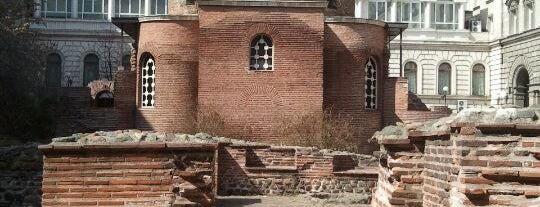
{"points": [[110, 9], [147, 7], [461, 16], [536, 16], [393, 11], [427, 15], [37, 8], [74, 8]]}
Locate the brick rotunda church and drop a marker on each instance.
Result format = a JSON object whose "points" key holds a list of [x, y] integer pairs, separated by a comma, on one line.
{"points": [[256, 63]]}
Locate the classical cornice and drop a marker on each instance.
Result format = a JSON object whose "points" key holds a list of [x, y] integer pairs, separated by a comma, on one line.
{"points": [[266, 3], [443, 46]]}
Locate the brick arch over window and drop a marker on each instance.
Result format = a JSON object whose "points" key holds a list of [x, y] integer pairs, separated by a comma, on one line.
{"points": [[148, 80]]}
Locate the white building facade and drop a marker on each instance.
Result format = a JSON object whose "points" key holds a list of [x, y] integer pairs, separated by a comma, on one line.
{"points": [[474, 49], [85, 45]]}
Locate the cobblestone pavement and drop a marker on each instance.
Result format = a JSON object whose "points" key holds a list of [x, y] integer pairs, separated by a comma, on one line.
{"points": [[277, 201]]}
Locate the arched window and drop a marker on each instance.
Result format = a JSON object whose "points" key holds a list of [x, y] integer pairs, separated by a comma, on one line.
{"points": [[371, 84], [104, 99], [478, 80], [148, 81], [261, 53], [445, 75], [126, 63], [91, 69], [53, 73], [410, 72]]}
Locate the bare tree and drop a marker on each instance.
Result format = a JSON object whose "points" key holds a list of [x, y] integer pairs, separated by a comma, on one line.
{"points": [[110, 49]]}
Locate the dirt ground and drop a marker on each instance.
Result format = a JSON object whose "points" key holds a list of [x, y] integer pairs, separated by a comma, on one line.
{"points": [[279, 201]]}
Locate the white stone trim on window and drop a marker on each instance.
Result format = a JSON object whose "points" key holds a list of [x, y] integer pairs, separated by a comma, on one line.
{"points": [[148, 83], [371, 84]]}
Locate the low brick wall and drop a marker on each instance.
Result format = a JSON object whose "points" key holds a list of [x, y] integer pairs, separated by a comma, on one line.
{"points": [[129, 174], [270, 170], [494, 161], [20, 175]]}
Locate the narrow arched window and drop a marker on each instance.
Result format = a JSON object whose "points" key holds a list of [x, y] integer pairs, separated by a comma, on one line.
{"points": [[53, 73], [445, 75], [261, 53], [91, 68], [126, 63], [371, 84], [148, 81], [478, 80], [410, 72]]}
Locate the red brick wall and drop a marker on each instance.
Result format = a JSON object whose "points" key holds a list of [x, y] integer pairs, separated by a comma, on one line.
{"points": [[347, 48], [124, 98], [253, 103], [397, 105], [130, 175], [174, 45]]}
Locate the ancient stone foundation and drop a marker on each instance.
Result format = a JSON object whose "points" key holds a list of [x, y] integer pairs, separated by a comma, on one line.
{"points": [[135, 168], [20, 175], [478, 158]]}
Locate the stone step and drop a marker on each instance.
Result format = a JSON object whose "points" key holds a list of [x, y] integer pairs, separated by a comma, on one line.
{"points": [[182, 202]]}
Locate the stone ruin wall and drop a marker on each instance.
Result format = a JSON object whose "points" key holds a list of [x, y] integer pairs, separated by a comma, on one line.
{"points": [[275, 170], [457, 163], [134, 168], [20, 175]]}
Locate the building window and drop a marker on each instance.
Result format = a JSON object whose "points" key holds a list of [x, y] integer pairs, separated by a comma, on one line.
{"points": [[55, 8], [261, 53], [478, 80], [91, 69], [371, 84], [410, 72], [104, 99], [53, 73], [126, 62], [445, 75], [148, 81], [379, 10], [158, 7], [445, 15], [93, 9], [411, 12], [129, 8]]}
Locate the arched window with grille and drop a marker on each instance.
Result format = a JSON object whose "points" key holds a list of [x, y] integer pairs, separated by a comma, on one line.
{"points": [[91, 68], [371, 84], [478, 80], [53, 73], [261, 53], [444, 79], [410, 72], [148, 81]]}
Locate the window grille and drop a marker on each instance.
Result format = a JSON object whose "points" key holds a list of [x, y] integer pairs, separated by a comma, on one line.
{"points": [[261, 53], [148, 82], [371, 85], [55, 8]]}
